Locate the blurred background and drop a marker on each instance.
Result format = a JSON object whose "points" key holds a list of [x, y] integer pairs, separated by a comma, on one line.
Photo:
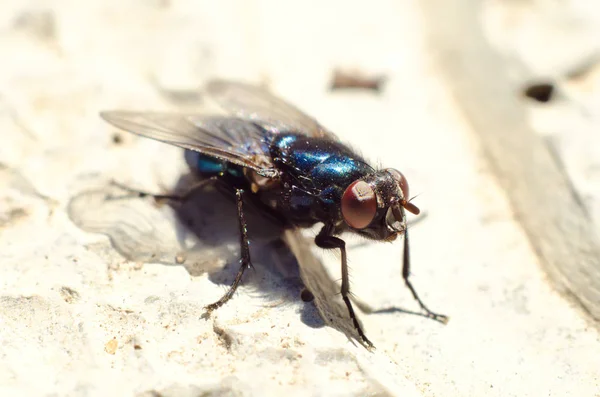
{"points": [[490, 109]]}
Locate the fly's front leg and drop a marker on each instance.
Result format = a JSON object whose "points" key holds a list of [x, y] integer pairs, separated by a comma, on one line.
{"points": [[245, 253], [325, 240], [406, 273]]}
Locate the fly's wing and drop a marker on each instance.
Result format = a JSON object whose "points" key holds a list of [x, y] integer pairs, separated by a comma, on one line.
{"points": [[254, 103], [227, 138]]}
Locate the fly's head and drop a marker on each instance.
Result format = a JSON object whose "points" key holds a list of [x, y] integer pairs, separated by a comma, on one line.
{"points": [[375, 205]]}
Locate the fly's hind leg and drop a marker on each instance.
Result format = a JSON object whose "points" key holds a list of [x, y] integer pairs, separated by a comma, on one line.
{"points": [[180, 198], [244, 245], [245, 256], [325, 240]]}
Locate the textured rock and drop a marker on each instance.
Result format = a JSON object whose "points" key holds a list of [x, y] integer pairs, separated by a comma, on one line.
{"points": [[105, 297]]}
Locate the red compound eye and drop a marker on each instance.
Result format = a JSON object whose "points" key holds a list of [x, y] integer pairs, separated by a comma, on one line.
{"points": [[397, 175], [401, 181], [359, 205]]}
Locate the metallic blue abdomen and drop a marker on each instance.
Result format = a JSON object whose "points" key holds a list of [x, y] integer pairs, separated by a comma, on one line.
{"points": [[207, 166]]}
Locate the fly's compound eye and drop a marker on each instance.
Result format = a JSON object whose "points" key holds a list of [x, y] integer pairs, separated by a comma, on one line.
{"points": [[397, 175], [359, 205], [402, 182]]}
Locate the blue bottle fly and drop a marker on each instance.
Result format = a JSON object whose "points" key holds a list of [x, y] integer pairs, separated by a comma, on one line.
{"points": [[292, 168]]}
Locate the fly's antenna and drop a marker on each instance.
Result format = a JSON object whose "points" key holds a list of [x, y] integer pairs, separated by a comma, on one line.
{"points": [[413, 197]]}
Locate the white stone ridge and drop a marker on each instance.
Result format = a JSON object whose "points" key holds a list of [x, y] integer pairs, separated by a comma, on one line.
{"points": [[105, 298]]}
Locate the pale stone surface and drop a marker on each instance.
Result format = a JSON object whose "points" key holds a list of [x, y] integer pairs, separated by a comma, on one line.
{"points": [[76, 318], [558, 43]]}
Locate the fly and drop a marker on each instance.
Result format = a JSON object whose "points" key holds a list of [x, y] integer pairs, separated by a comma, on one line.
{"points": [[293, 169]]}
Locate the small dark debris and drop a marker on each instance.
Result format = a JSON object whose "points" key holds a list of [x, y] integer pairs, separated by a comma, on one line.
{"points": [[40, 23], [540, 92], [356, 80], [68, 294], [225, 339], [137, 347], [12, 216], [117, 139], [306, 295]]}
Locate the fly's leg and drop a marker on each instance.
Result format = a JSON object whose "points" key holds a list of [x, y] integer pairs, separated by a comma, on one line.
{"points": [[245, 251], [406, 273], [170, 197], [325, 240], [244, 245]]}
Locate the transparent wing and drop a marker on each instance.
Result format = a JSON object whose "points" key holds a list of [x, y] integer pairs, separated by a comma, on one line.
{"points": [[227, 138], [254, 103]]}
